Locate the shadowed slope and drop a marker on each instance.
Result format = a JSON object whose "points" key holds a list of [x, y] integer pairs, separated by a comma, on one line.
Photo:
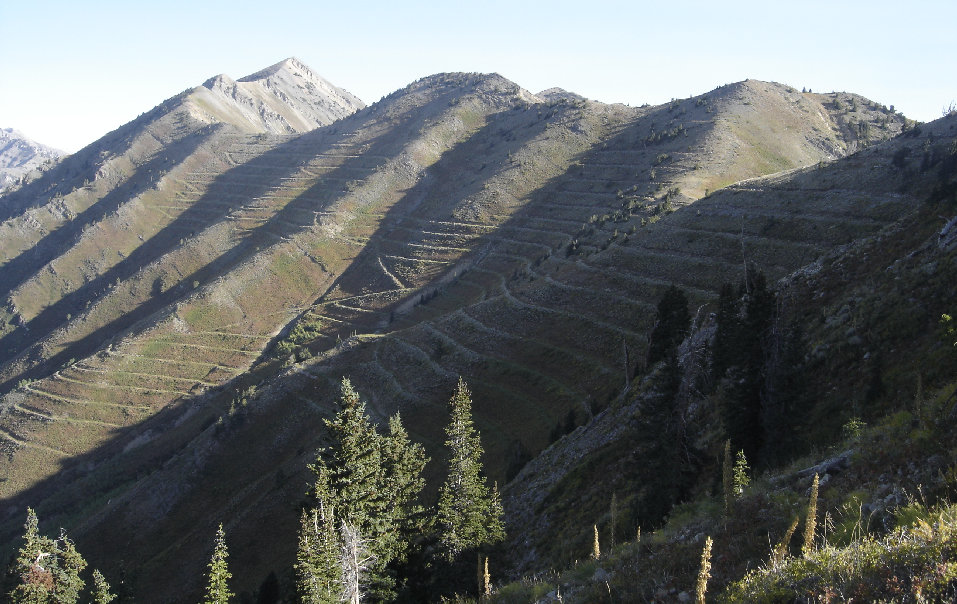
{"points": [[459, 227]]}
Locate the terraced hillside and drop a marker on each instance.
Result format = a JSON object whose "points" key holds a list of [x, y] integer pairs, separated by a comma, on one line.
{"points": [[881, 296], [461, 226]]}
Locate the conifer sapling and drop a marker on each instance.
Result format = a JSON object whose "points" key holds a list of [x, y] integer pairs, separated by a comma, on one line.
{"points": [[217, 590]]}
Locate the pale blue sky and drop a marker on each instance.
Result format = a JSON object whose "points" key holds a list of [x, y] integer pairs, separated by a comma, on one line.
{"points": [[72, 71]]}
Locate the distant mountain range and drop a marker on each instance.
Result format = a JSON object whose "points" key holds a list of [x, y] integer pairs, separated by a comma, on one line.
{"points": [[182, 297], [19, 156]]}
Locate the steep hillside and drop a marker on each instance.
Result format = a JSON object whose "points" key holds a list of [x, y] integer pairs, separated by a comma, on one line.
{"points": [[460, 226], [877, 356], [19, 156], [119, 204]]}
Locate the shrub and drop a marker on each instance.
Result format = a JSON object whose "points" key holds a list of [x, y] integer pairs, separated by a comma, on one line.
{"points": [[913, 564]]}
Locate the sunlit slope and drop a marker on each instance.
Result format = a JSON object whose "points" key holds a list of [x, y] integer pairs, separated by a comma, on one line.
{"points": [[96, 219], [461, 226], [543, 308], [550, 317], [250, 241]]}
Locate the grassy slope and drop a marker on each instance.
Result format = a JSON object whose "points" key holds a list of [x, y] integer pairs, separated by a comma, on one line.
{"points": [[460, 185], [882, 295]]}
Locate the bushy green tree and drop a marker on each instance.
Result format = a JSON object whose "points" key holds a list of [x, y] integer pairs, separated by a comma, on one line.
{"points": [[659, 431], [404, 462], [48, 570], [469, 513], [318, 572], [66, 571], [217, 590], [784, 396], [33, 565], [371, 483], [101, 589]]}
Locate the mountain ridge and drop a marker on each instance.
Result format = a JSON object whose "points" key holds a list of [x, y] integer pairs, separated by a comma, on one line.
{"points": [[449, 227]]}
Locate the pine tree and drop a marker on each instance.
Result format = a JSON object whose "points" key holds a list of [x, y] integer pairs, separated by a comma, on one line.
{"points": [[658, 428], [404, 462], [32, 564], [727, 333], [741, 478], [66, 571], [373, 484], [49, 569], [355, 468], [217, 590], [469, 515], [743, 395], [785, 391], [318, 574], [671, 325], [357, 486], [101, 589], [269, 590]]}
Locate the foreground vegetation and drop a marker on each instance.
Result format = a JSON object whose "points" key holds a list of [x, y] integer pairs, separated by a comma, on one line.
{"points": [[365, 534]]}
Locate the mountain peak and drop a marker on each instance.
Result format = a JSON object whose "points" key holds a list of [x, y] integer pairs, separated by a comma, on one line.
{"points": [[292, 65], [286, 97]]}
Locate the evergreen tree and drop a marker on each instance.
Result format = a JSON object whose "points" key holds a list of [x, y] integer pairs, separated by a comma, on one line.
{"points": [[372, 483], [741, 478], [355, 466], [318, 574], [785, 393], [671, 325], [66, 571], [357, 486], [404, 462], [101, 589], [33, 565], [269, 591], [727, 333], [469, 514], [217, 590], [49, 569], [744, 388], [662, 442]]}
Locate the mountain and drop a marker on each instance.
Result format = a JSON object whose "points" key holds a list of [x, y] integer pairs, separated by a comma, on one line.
{"points": [[184, 295], [285, 98], [19, 156]]}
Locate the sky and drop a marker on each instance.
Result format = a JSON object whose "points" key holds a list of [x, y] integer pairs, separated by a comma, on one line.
{"points": [[73, 71]]}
